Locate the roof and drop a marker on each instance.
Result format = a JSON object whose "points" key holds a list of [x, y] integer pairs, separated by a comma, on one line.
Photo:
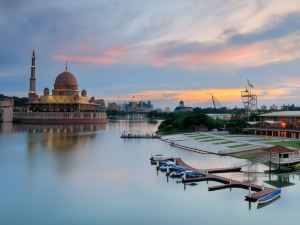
{"points": [[282, 114], [279, 149], [66, 78], [253, 122], [270, 122]]}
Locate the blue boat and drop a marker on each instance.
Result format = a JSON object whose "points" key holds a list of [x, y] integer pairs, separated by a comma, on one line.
{"points": [[270, 197], [172, 167]]}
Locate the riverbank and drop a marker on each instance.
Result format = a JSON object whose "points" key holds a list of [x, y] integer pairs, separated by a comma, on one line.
{"points": [[223, 143], [175, 123]]}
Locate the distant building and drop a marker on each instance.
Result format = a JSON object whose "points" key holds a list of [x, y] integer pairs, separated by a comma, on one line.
{"points": [[264, 108], [144, 106], [113, 106], [159, 110], [167, 110], [132, 107], [273, 107], [101, 104], [182, 109], [6, 110], [137, 107], [223, 116]]}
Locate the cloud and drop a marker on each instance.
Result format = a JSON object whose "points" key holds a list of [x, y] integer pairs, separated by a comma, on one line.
{"points": [[110, 56], [85, 59], [202, 96], [191, 55]]}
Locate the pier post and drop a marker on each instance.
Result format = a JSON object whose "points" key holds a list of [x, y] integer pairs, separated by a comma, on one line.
{"points": [[250, 191], [168, 170], [184, 176]]}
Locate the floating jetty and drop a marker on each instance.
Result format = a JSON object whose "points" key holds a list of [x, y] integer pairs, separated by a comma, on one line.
{"points": [[209, 175], [147, 136]]}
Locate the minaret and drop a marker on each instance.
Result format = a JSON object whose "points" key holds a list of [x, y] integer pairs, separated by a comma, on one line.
{"points": [[32, 91]]}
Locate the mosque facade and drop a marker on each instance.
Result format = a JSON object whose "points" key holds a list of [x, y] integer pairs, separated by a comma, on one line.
{"points": [[65, 104]]}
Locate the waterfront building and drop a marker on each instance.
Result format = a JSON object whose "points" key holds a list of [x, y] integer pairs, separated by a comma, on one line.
{"points": [[182, 108], [6, 110], [66, 104], [278, 124]]}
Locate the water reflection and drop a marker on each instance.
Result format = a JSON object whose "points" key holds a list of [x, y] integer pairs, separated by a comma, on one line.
{"points": [[54, 145], [256, 172], [55, 137]]}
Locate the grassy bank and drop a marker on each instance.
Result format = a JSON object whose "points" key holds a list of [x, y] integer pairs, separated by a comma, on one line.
{"points": [[251, 155]]}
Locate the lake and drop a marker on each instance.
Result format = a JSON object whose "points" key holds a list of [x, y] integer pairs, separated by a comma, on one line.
{"points": [[89, 175]]}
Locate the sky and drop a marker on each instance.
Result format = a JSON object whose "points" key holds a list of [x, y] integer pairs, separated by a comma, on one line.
{"points": [[163, 51]]}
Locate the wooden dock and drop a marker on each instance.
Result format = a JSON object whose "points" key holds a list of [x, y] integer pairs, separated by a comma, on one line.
{"points": [[208, 175]]}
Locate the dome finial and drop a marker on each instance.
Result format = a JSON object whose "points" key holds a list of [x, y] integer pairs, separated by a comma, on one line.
{"points": [[66, 69]]}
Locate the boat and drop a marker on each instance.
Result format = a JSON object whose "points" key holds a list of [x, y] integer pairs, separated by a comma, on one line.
{"points": [[159, 158], [172, 167], [187, 173], [176, 174], [262, 205], [192, 174], [270, 197]]}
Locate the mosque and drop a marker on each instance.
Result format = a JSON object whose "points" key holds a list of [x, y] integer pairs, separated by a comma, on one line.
{"points": [[64, 105]]}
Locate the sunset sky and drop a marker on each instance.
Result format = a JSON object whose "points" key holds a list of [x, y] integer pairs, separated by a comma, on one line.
{"points": [[163, 51]]}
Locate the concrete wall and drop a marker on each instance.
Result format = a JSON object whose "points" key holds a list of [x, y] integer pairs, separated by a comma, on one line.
{"points": [[6, 114], [6, 110]]}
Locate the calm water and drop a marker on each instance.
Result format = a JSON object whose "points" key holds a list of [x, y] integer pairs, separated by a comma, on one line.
{"points": [[88, 175]]}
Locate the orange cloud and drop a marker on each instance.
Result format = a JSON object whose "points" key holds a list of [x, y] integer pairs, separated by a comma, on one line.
{"points": [[200, 96]]}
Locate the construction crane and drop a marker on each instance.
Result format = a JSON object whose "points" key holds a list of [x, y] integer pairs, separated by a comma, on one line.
{"points": [[216, 102], [249, 99]]}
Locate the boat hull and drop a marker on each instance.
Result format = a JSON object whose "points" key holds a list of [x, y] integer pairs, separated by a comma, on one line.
{"points": [[270, 197]]}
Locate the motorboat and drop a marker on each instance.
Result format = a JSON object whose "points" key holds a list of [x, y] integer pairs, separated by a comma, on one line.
{"points": [[171, 166], [270, 197]]}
